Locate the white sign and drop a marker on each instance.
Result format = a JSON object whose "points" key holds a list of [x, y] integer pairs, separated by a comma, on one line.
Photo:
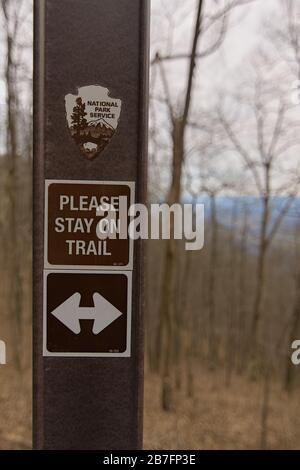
{"points": [[92, 117]]}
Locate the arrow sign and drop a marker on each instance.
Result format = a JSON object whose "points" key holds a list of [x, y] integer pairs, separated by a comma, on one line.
{"points": [[103, 313]]}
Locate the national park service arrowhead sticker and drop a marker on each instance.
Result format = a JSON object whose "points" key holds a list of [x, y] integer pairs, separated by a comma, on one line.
{"points": [[93, 118]]}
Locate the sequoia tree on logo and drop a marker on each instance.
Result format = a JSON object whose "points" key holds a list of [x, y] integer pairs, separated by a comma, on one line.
{"points": [[93, 118], [79, 122]]}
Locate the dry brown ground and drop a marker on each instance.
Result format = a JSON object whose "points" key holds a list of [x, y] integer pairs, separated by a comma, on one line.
{"points": [[219, 417], [15, 409]]}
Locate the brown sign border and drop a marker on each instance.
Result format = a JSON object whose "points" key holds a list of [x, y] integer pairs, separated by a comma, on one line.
{"points": [[126, 353], [48, 265]]}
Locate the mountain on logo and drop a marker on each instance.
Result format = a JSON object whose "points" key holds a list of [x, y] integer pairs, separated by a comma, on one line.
{"points": [[100, 122]]}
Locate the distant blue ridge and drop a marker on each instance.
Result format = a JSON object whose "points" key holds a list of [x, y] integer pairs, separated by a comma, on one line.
{"points": [[254, 206]]}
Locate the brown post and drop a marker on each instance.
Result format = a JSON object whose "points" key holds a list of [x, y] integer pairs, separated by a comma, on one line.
{"points": [[90, 138]]}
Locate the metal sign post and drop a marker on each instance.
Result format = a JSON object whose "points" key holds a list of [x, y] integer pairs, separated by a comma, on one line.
{"points": [[90, 92]]}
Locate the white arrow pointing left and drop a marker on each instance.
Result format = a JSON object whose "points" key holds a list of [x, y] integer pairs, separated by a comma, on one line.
{"points": [[103, 313]]}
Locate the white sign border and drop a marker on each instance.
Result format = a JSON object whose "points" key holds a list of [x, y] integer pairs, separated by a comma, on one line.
{"points": [[126, 353], [47, 265]]}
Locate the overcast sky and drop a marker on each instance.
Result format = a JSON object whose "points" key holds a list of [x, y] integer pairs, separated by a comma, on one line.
{"points": [[243, 35], [223, 72], [240, 39]]}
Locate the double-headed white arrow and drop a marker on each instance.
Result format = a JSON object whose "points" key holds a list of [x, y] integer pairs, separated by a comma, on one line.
{"points": [[103, 313]]}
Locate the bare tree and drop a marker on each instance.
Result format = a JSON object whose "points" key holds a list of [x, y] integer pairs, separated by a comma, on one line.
{"points": [[179, 123], [271, 139], [13, 15], [283, 35], [180, 120], [241, 288]]}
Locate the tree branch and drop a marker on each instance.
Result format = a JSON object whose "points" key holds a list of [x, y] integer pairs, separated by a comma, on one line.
{"points": [[242, 151], [192, 66], [221, 15]]}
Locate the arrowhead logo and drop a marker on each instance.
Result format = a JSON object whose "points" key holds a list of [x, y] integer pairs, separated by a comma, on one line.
{"points": [[70, 313], [92, 117]]}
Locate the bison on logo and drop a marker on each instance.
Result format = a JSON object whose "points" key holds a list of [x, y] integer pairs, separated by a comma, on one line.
{"points": [[92, 117]]}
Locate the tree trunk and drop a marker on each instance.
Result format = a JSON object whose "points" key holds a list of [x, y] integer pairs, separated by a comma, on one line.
{"points": [[265, 406], [260, 281], [241, 322], [14, 277], [212, 340], [231, 302], [167, 308]]}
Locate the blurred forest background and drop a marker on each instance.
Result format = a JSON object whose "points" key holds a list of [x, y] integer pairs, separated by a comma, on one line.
{"points": [[224, 131]]}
